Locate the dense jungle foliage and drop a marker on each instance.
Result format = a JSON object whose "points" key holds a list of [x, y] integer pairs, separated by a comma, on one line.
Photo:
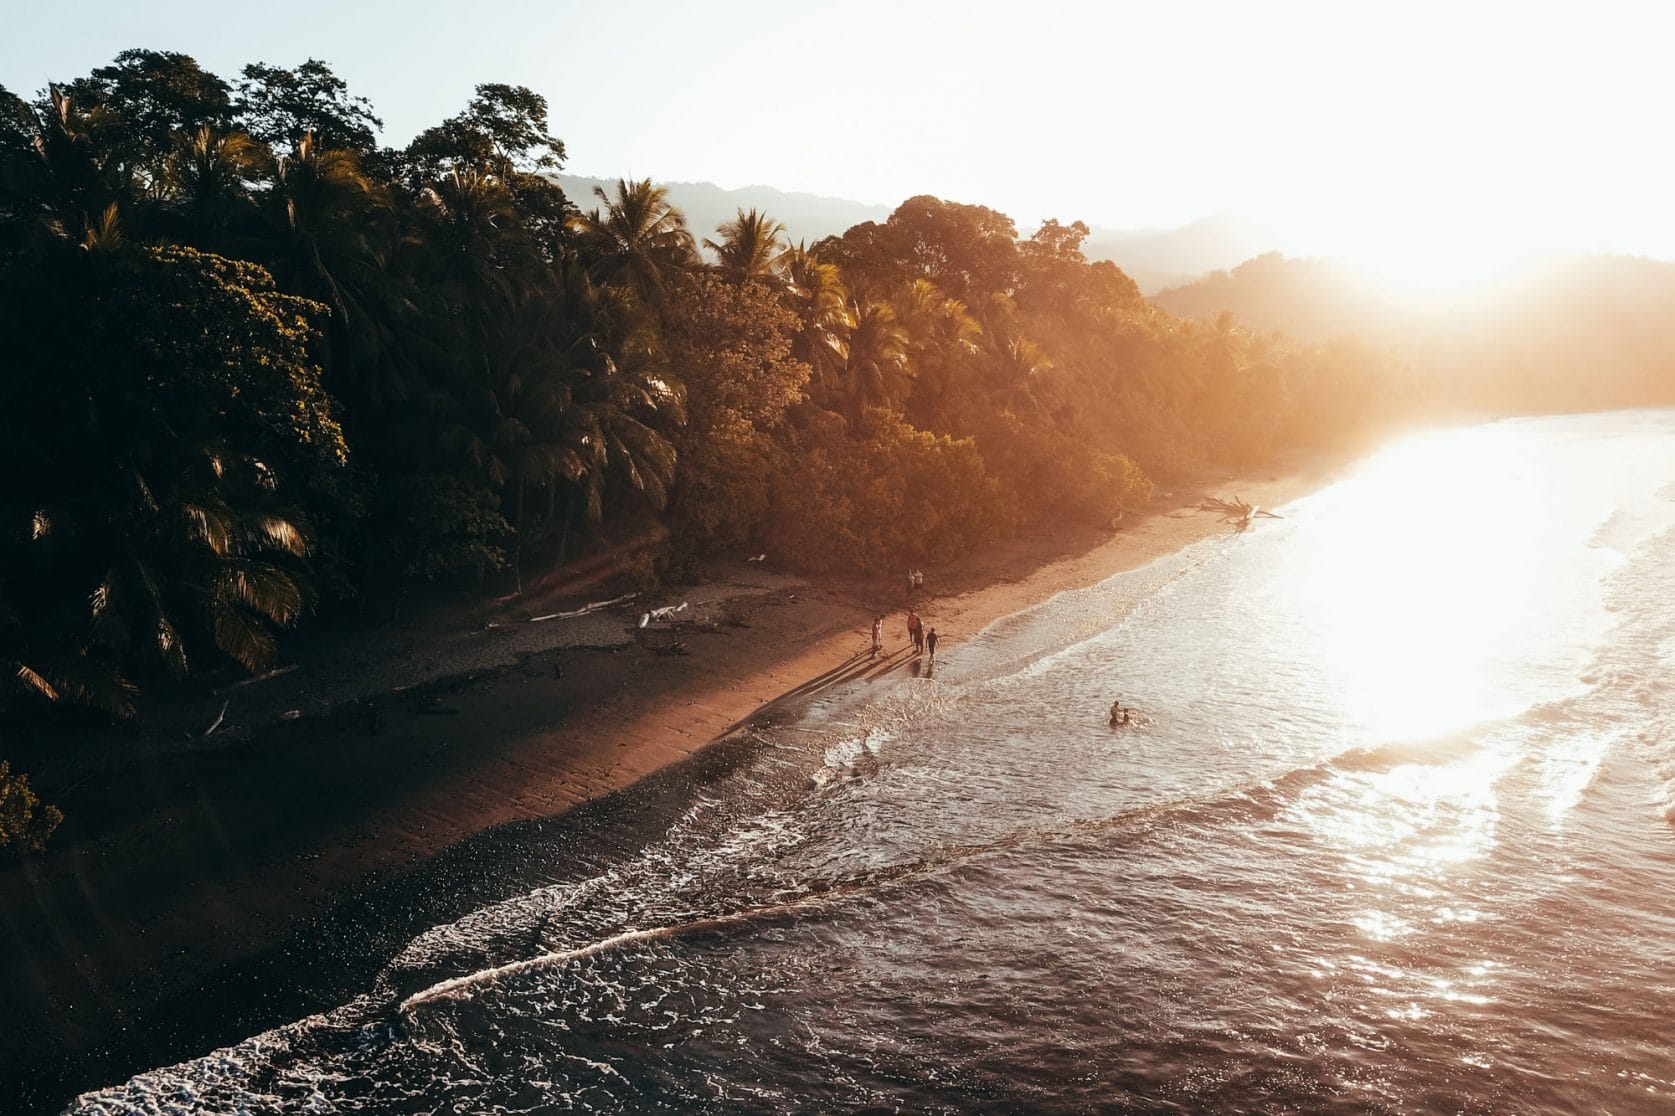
{"points": [[254, 363]]}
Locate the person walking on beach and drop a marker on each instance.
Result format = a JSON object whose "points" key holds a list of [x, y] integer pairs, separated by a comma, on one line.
{"points": [[916, 631], [877, 636], [930, 641]]}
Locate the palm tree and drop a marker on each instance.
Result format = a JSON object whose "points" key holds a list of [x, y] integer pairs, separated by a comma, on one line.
{"points": [[751, 247], [877, 372], [815, 290], [207, 176], [943, 340], [324, 205], [471, 215], [622, 397], [134, 567], [638, 242], [76, 175], [200, 557], [1016, 364], [576, 401], [332, 236]]}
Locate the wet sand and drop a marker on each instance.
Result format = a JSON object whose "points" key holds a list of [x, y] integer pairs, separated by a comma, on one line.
{"points": [[180, 865]]}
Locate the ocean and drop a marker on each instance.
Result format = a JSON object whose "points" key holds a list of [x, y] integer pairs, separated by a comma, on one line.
{"points": [[1391, 831]]}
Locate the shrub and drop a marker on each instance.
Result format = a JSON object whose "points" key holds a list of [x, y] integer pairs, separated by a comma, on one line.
{"points": [[20, 825]]}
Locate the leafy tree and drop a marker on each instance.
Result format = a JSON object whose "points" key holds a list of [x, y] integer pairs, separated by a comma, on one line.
{"points": [[735, 352], [152, 96], [20, 826], [440, 525], [1055, 243], [503, 130], [969, 251], [17, 126], [279, 106], [502, 135]]}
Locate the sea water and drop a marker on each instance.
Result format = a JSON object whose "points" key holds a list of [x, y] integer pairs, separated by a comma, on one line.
{"points": [[1392, 831]]}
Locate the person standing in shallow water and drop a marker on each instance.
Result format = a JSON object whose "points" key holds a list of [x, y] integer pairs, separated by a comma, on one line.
{"points": [[877, 636], [916, 631], [930, 641]]}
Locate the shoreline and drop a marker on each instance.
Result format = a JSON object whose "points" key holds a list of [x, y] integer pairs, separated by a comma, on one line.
{"points": [[198, 862]]}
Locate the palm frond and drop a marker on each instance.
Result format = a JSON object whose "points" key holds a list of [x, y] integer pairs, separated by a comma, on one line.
{"points": [[261, 588], [242, 638], [278, 533], [34, 682]]}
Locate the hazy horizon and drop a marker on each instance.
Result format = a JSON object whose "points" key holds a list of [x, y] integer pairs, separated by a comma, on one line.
{"points": [[1427, 142]]}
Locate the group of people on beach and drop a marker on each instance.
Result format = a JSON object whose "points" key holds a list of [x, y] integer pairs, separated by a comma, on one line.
{"points": [[916, 631]]}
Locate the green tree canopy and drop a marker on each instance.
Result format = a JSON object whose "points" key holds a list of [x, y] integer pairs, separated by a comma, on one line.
{"points": [[277, 106], [154, 95], [503, 130]]}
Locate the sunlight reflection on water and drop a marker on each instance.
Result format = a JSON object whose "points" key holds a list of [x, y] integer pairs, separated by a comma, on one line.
{"points": [[1425, 581]]}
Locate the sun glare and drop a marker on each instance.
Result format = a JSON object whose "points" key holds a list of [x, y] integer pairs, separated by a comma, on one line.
{"points": [[1428, 272], [1410, 619]]}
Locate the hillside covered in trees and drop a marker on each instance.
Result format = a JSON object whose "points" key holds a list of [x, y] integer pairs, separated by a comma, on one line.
{"points": [[1568, 333], [256, 364]]}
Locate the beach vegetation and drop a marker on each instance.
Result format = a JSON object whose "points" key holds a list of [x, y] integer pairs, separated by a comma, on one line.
{"points": [[254, 360], [25, 823]]}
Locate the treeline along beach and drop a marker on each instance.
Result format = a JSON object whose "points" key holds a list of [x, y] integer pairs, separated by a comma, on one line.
{"points": [[258, 367]]}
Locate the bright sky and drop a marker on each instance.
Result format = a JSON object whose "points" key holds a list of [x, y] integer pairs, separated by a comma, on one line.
{"points": [[1439, 138]]}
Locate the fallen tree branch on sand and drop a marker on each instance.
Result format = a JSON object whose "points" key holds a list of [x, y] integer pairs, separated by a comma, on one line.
{"points": [[594, 607], [1236, 510]]}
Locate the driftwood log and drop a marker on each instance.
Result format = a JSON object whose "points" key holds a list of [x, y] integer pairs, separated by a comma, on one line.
{"points": [[1236, 510]]}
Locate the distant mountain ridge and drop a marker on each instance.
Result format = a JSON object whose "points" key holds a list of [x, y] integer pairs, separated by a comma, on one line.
{"points": [[806, 217], [1161, 258], [1154, 258]]}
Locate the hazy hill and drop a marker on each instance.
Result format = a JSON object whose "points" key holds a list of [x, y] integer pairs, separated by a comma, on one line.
{"points": [[1564, 330], [1307, 298], [807, 217], [1157, 259]]}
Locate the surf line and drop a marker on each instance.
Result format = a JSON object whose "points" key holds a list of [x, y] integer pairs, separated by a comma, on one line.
{"points": [[455, 987]]}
